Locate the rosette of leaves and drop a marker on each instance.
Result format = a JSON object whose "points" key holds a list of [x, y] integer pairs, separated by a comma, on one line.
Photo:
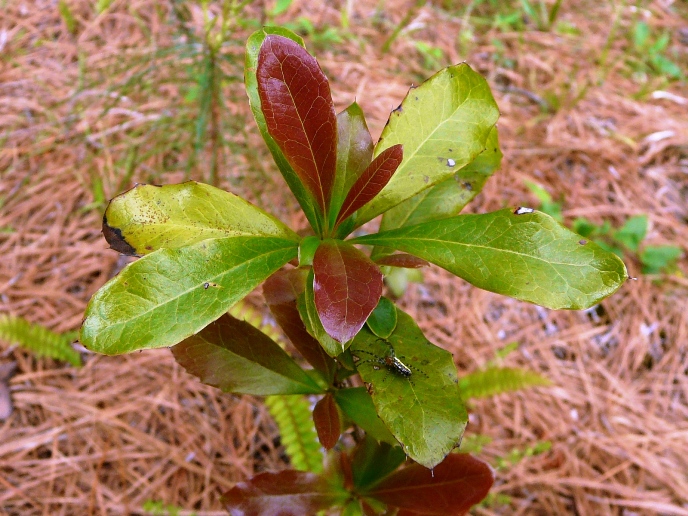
{"points": [[203, 249]]}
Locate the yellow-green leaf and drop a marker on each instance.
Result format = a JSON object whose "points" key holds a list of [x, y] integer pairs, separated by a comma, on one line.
{"points": [[520, 253], [170, 294], [443, 125], [149, 217]]}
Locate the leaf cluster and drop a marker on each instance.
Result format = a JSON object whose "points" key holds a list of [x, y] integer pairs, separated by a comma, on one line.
{"points": [[385, 392]]}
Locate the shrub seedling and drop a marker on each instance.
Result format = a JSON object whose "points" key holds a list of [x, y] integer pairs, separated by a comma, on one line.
{"points": [[202, 250]]}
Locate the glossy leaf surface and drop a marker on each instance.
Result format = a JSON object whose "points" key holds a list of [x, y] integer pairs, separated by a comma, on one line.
{"points": [[358, 406], [452, 487], [281, 292], [383, 320], [354, 153], [170, 294], [287, 493], [253, 46], [236, 357], [443, 125], [328, 424], [372, 180], [449, 197], [347, 287], [419, 400], [527, 256], [147, 218], [299, 113]]}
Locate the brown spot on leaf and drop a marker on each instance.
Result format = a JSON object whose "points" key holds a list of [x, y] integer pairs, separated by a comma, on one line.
{"points": [[116, 240]]}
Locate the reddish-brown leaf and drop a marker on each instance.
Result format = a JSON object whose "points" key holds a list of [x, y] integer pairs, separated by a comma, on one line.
{"points": [[407, 261], [372, 181], [347, 287], [452, 488], [299, 113], [327, 421], [287, 493], [281, 291]]}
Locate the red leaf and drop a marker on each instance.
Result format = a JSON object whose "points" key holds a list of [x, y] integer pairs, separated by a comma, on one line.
{"points": [[281, 291], [452, 488], [299, 113], [372, 181], [407, 261], [287, 493], [327, 421], [347, 287]]}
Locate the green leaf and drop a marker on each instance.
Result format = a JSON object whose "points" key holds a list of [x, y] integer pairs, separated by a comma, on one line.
{"points": [[415, 389], [497, 380], [372, 461], [449, 197], [235, 357], [354, 154], [299, 113], [656, 259], [253, 45], [383, 320], [147, 218], [632, 233], [443, 125], [358, 406], [347, 286], [297, 433], [170, 294], [528, 256]]}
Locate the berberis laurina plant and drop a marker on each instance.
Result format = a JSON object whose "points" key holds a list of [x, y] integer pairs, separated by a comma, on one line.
{"points": [[386, 394]]}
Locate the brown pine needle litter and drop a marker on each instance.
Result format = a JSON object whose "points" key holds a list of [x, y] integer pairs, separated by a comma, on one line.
{"points": [[100, 95]]}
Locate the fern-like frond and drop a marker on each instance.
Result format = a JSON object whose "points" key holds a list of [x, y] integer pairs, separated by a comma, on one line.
{"points": [[293, 417], [39, 340], [292, 413], [496, 380]]}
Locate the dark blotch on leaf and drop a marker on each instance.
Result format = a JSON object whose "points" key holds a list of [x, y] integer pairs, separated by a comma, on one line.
{"points": [[116, 240]]}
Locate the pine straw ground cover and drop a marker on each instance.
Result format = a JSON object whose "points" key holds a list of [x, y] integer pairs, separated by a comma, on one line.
{"points": [[85, 111]]}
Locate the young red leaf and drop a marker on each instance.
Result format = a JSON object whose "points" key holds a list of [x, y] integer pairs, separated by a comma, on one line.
{"points": [[281, 291], [327, 421], [299, 113], [287, 493], [372, 181], [452, 487], [347, 287], [407, 261]]}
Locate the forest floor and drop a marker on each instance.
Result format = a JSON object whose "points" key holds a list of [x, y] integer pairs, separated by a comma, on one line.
{"points": [[95, 96]]}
